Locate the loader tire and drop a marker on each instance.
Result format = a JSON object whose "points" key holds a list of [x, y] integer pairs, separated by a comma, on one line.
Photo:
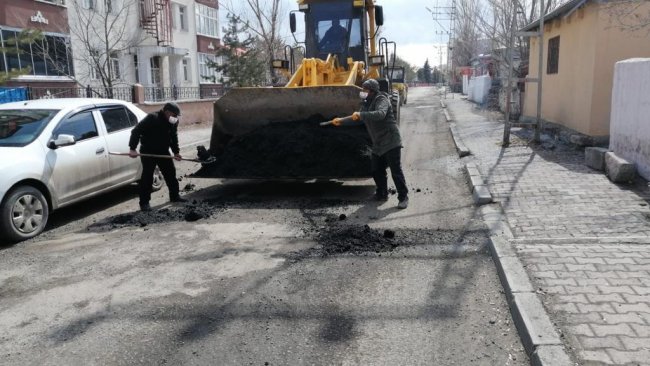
{"points": [[395, 103]]}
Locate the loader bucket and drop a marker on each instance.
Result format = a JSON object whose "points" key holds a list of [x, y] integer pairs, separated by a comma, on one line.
{"points": [[242, 110], [276, 133]]}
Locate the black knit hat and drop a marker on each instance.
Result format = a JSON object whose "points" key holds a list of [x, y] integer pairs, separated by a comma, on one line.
{"points": [[172, 107]]}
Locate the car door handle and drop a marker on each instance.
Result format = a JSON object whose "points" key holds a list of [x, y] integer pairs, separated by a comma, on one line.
{"points": [[99, 151]]}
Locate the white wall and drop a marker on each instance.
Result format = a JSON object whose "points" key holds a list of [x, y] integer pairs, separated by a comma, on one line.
{"points": [[629, 126], [479, 87]]}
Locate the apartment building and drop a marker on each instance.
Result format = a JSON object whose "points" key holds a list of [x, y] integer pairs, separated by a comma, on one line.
{"points": [[157, 43], [49, 60]]}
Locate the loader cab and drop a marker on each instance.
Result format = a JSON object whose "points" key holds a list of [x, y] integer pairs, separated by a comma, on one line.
{"points": [[335, 27]]}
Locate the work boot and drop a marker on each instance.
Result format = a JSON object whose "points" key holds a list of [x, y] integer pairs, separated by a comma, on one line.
{"points": [[403, 203], [144, 207], [177, 199], [380, 197]]}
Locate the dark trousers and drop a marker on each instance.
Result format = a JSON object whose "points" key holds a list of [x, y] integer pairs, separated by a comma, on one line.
{"points": [[168, 171], [391, 159]]}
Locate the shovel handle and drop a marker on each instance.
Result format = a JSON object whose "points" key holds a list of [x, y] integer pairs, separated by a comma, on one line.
{"points": [[154, 156], [343, 120]]}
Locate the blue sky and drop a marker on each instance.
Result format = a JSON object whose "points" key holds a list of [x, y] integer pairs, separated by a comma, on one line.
{"points": [[408, 23]]}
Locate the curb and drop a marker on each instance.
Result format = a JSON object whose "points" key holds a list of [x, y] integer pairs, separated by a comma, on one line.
{"points": [[536, 331], [460, 146], [480, 191]]}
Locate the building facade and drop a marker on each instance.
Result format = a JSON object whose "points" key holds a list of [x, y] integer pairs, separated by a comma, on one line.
{"points": [[582, 43], [47, 62], [163, 45]]}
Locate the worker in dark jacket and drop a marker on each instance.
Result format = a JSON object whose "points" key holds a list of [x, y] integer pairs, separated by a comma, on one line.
{"points": [[377, 114], [157, 133]]}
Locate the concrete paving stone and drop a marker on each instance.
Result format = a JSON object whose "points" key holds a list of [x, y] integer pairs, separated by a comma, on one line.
{"points": [[637, 298], [590, 260], [569, 282], [627, 318], [607, 275], [545, 274], [572, 298], [620, 261], [580, 267], [637, 267], [582, 289], [635, 343], [590, 318], [626, 308], [617, 329], [600, 342], [615, 289], [554, 289], [592, 281], [601, 308], [595, 356], [599, 298], [551, 267], [642, 276], [550, 355], [641, 290], [565, 307], [581, 329], [630, 357], [641, 330], [623, 281]]}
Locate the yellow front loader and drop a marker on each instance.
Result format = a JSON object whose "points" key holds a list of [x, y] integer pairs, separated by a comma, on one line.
{"points": [[325, 85]]}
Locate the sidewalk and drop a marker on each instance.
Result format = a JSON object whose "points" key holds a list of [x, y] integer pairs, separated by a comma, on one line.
{"points": [[583, 241]]}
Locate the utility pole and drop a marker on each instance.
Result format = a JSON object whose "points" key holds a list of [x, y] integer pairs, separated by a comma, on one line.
{"points": [[442, 14], [538, 125]]}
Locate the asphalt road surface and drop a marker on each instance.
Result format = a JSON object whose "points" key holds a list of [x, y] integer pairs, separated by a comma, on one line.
{"points": [[262, 273]]}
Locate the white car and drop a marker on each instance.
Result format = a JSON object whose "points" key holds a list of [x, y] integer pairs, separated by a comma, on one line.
{"points": [[55, 152]]}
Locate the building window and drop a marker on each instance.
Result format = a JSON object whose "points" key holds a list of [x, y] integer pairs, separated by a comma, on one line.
{"points": [[110, 6], [206, 21], [180, 21], [553, 59], [155, 70], [186, 70], [115, 65], [135, 67], [50, 56], [94, 62], [206, 74]]}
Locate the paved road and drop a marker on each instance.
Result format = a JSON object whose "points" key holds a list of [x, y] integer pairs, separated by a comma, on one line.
{"points": [[249, 284]]}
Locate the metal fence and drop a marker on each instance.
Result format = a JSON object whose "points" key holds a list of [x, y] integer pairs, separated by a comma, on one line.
{"points": [[151, 94]]}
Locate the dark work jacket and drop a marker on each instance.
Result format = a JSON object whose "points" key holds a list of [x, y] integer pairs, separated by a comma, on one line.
{"points": [[155, 134], [377, 115]]}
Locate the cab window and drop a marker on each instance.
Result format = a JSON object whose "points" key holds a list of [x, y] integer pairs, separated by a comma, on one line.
{"points": [[81, 126]]}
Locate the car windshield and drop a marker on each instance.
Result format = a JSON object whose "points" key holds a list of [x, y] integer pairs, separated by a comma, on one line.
{"points": [[19, 127]]}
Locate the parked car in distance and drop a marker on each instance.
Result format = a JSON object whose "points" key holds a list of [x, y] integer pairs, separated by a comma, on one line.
{"points": [[55, 152]]}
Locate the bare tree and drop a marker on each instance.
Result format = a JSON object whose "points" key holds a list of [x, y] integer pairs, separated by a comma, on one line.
{"points": [[101, 33], [262, 18], [630, 15]]}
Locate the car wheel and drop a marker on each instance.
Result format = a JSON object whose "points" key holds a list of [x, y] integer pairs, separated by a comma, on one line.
{"points": [[158, 180], [23, 214]]}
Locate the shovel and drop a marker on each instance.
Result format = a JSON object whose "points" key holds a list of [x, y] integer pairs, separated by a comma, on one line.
{"points": [[209, 160], [344, 120]]}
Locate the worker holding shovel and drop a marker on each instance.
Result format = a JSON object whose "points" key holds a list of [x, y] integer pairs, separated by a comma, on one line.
{"points": [[156, 134], [377, 114]]}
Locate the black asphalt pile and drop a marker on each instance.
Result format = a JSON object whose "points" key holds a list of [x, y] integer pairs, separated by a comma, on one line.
{"points": [[294, 150], [189, 212], [355, 239]]}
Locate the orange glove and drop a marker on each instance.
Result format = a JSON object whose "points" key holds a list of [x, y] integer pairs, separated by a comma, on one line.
{"points": [[336, 122], [356, 116]]}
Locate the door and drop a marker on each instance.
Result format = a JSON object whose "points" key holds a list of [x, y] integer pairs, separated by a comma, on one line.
{"points": [[81, 169], [119, 121]]}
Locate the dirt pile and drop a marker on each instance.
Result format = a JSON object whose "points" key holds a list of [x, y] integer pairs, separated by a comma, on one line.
{"points": [[294, 150], [355, 239]]}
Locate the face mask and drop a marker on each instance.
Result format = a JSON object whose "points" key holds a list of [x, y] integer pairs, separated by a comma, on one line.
{"points": [[363, 95], [173, 120]]}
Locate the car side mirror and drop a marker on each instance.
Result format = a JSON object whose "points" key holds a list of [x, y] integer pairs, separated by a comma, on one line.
{"points": [[62, 140]]}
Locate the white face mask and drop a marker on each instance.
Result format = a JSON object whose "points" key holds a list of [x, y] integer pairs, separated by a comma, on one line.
{"points": [[173, 120], [363, 95]]}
